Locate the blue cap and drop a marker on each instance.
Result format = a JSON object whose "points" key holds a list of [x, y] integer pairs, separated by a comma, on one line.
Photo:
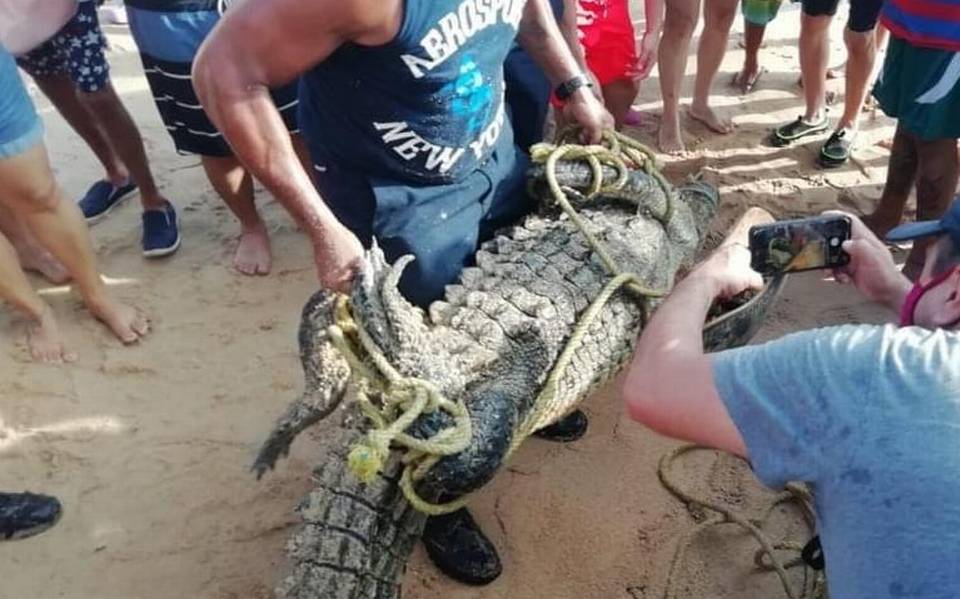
{"points": [[949, 224]]}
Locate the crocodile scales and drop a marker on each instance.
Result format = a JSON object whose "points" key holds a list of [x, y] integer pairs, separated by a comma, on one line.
{"points": [[491, 343]]}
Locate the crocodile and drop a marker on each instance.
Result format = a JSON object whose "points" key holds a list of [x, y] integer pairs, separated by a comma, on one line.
{"points": [[491, 345]]}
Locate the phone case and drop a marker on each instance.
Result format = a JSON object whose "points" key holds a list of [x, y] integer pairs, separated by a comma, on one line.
{"points": [[799, 245]]}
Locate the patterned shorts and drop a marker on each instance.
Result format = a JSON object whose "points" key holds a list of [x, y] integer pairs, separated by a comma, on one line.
{"points": [[77, 49]]}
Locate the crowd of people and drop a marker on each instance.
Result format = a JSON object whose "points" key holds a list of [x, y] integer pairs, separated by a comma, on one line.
{"points": [[409, 122]]}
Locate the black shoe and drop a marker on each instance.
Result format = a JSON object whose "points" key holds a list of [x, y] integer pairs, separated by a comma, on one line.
{"points": [[23, 515], [460, 549], [571, 428]]}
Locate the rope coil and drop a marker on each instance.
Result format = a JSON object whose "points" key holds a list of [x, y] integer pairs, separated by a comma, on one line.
{"points": [[403, 399], [765, 557]]}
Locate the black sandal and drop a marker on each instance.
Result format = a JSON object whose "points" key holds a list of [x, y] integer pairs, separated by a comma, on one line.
{"points": [[837, 148], [786, 134]]}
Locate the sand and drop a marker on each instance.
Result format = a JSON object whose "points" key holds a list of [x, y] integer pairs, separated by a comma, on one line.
{"points": [[149, 447]]}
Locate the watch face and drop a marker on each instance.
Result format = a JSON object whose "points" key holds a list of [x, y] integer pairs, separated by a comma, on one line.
{"points": [[566, 89]]}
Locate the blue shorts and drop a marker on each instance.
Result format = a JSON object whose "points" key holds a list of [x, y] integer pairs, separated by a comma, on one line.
{"points": [[20, 128], [441, 225], [169, 35], [77, 50]]}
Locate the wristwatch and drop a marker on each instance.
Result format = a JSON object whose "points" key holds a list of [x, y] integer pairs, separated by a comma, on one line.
{"points": [[571, 85]]}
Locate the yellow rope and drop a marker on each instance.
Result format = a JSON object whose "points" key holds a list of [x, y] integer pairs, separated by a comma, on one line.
{"points": [[765, 557], [404, 399]]}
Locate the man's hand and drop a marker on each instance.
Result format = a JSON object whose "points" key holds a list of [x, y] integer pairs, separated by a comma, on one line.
{"points": [[585, 109], [728, 271], [646, 55], [871, 268], [338, 254]]}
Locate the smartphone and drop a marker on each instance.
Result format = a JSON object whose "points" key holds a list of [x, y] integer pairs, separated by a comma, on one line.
{"points": [[798, 245]]}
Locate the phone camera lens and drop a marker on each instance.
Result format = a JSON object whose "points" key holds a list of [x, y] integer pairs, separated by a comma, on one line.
{"points": [[834, 242]]}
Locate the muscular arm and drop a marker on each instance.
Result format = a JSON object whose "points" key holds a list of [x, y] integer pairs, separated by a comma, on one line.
{"points": [[258, 45], [540, 36]]}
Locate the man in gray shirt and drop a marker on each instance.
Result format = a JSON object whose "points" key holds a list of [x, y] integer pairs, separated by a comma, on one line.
{"points": [[868, 415]]}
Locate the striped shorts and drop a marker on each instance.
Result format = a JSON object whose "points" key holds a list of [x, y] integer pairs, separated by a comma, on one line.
{"points": [[168, 34]]}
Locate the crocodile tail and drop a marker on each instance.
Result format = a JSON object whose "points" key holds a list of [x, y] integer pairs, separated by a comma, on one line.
{"points": [[356, 538]]}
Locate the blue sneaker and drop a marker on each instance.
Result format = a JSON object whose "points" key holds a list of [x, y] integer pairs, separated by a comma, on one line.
{"points": [[160, 234], [102, 197]]}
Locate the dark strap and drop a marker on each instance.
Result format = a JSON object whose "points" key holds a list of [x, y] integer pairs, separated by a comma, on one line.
{"points": [[812, 554]]}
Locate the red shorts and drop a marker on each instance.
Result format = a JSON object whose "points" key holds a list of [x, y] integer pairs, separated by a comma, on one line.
{"points": [[606, 32]]}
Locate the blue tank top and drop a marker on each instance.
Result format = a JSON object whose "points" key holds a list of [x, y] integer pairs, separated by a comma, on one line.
{"points": [[426, 107]]}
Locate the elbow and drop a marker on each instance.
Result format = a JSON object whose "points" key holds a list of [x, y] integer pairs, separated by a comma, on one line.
{"points": [[646, 399], [202, 72], [640, 395]]}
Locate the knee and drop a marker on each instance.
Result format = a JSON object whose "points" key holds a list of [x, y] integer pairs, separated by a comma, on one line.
{"points": [[721, 19], [859, 43], [39, 198], [680, 23]]}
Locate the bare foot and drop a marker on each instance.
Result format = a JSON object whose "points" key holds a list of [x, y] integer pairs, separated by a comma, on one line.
{"points": [[126, 322], [41, 261], [253, 253], [669, 137], [45, 340], [706, 115]]}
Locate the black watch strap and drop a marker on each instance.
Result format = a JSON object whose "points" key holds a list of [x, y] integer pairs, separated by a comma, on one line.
{"points": [[568, 87]]}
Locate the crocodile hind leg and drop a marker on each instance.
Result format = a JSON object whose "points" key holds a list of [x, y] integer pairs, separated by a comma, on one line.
{"points": [[325, 379], [356, 538]]}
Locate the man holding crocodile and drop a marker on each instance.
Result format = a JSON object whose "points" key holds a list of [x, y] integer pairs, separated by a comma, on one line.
{"points": [[401, 106]]}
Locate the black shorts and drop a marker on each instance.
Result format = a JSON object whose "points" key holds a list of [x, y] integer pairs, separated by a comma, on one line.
{"points": [[863, 13]]}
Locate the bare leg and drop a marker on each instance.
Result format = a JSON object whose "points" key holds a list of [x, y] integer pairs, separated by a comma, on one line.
{"points": [[235, 186], [814, 52], [678, 25], [43, 335], [718, 16], [861, 55], [901, 175], [619, 96], [747, 78], [31, 254], [62, 91], [124, 136], [32, 194], [936, 186]]}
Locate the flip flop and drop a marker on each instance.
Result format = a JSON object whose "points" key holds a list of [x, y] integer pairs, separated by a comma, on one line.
{"points": [[747, 87], [837, 148], [786, 134]]}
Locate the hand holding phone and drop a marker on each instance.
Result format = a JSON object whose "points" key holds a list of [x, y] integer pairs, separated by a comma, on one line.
{"points": [[798, 245]]}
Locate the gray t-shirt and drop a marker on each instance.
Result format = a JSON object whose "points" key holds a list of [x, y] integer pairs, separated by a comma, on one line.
{"points": [[870, 416]]}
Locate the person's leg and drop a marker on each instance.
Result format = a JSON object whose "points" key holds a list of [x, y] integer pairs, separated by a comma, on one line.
{"points": [[32, 255], [814, 53], [235, 186], [901, 175], [861, 56], [937, 175], [747, 78], [43, 335], [83, 43], [32, 194], [124, 136], [618, 96], [718, 17], [62, 92], [679, 22]]}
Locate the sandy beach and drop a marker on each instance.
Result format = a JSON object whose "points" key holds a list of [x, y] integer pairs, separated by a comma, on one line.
{"points": [[149, 447]]}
